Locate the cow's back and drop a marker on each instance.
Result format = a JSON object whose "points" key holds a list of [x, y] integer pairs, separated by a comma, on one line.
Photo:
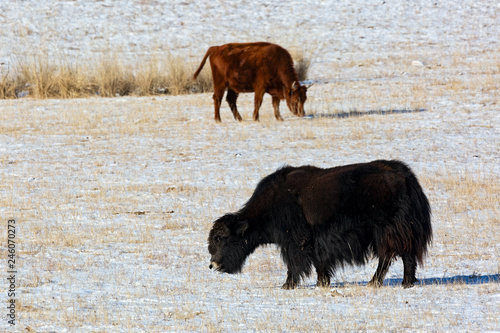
{"points": [[243, 66], [251, 53]]}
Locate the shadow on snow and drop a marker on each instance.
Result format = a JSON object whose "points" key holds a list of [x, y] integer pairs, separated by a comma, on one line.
{"points": [[356, 113], [458, 279]]}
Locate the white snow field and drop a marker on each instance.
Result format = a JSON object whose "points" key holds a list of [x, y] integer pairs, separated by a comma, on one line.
{"points": [[113, 198]]}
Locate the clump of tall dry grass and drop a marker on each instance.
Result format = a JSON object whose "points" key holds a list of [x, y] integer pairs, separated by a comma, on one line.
{"points": [[7, 86], [302, 63], [72, 81], [40, 77], [111, 78], [302, 58]]}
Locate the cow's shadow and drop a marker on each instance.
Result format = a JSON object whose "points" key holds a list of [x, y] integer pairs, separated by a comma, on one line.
{"points": [[458, 279], [356, 113]]}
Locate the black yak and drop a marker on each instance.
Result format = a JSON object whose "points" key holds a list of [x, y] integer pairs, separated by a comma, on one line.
{"points": [[254, 67], [328, 217]]}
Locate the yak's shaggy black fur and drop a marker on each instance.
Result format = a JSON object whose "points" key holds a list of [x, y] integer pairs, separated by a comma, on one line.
{"points": [[327, 217]]}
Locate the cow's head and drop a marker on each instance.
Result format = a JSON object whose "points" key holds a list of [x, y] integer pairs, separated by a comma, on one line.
{"points": [[228, 244], [296, 97]]}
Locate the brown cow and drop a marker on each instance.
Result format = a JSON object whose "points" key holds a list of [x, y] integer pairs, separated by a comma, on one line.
{"points": [[254, 67]]}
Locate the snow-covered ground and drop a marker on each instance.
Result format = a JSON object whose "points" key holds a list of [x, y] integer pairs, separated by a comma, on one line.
{"points": [[114, 198]]}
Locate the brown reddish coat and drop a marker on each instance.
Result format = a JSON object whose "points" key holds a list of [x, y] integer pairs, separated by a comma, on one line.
{"points": [[254, 67]]}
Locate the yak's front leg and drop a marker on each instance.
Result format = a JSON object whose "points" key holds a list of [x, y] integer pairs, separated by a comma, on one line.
{"points": [[291, 282], [298, 259], [323, 278], [323, 275]]}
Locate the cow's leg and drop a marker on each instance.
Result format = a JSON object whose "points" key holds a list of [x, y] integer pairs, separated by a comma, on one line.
{"points": [[259, 95], [231, 98], [378, 278], [219, 88], [410, 267], [217, 102], [276, 106]]}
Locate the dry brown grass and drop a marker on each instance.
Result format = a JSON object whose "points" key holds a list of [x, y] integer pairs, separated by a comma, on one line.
{"points": [[471, 190], [111, 78], [7, 86], [303, 60], [38, 76]]}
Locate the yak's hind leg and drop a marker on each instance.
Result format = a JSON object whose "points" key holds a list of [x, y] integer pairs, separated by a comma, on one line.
{"points": [[410, 267], [231, 98], [378, 278]]}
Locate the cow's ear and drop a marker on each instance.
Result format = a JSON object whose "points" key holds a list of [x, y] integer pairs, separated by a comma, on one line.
{"points": [[241, 227]]}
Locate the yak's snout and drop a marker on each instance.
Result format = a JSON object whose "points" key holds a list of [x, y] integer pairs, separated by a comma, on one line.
{"points": [[215, 266]]}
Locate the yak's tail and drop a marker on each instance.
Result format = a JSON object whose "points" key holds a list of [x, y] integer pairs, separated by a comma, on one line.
{"points": [[413, 223], [420, 216], [209, 52]]}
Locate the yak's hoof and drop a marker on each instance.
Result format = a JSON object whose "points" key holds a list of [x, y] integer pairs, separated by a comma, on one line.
{"points": [[288, 286], [375, 284], [323, 284], [407, 285]]}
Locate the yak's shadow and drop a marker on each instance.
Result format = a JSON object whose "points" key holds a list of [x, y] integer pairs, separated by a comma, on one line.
{"points": [[458, 279], [356, 113]]}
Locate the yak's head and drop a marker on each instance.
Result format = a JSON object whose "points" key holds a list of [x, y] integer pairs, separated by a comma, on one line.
{"points": [[228, 244], [296, 97]]}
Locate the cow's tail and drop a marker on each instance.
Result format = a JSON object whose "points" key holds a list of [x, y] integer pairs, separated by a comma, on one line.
{"points": [[420, 216], [209, 52]]}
